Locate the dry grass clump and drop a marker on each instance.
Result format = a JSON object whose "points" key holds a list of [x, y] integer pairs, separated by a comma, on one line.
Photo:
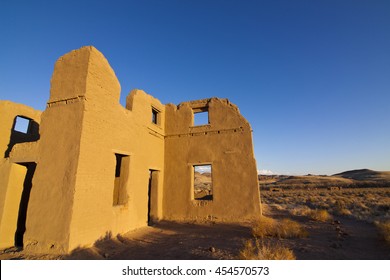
{"points": [[268, 250], [344, 212], [384, 230], [285, 228], [290, 229], [265, 251], [320, 215], [301, 211], [265, 227], [317, 215]]}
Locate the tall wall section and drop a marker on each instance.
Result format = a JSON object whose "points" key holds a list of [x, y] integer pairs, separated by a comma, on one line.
{"points": [[225, 143], [110, 133], [51, 203], [93, 174]]}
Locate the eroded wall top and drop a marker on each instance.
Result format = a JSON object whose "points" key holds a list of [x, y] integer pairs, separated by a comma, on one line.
{"points": [[81, 72], [222, 115]]}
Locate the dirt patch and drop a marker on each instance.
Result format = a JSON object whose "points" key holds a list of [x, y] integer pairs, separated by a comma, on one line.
{"points": [[164, 241], [170, 241]]}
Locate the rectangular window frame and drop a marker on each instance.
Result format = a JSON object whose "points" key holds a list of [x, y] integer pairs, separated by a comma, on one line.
{"points": [[208, 195], [156, 116], [198, 121]]}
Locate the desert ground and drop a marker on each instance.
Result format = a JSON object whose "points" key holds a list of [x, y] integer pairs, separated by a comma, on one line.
{"points": [[346, 216]]}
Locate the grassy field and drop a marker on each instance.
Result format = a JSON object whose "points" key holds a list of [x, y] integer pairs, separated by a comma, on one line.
{"points": [[367, 204], [364, 215], [362, 178]]}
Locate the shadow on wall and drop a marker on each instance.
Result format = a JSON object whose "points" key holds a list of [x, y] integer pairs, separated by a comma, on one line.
{"points": [[92, 253], [23, 130]]}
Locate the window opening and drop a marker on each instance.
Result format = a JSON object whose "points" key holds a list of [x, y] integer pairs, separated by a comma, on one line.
{"points": [[201, 116], [203, 183], [121, 177], [155, 116], [22, 124]]}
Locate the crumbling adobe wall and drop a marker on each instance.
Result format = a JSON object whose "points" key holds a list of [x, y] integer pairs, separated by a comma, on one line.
{"points": [[108, 128], [52, 196], [106, 132], [12, 175], [102, 169], [82, 129], [226, 144]]}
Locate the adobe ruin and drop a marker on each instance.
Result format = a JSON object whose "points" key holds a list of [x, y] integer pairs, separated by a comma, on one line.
{"points": [[86, 167]]}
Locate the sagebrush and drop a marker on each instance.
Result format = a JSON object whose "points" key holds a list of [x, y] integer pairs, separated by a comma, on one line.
{"points": [[285, 228], [262, 250]]}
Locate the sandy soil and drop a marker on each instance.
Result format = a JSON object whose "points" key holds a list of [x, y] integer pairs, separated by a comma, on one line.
{"points": [[343, 238]]}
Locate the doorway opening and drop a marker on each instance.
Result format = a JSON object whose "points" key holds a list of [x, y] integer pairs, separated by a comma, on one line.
{"points": [[120, 196], [24, 199], [152, 197]]}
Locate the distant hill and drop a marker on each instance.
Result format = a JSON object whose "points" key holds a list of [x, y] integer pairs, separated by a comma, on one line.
{"points": [[352, 178], [365, 175]]}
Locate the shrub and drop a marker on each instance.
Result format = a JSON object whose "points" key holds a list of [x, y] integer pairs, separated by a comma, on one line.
{"points": [[265, 251], [265, 227], [285, 228], [289, 229], [320, 215], [317, 215], [301, 211], [344, 212]]}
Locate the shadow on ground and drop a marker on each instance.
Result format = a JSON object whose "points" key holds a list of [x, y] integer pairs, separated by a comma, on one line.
{"points": [[340, 239], [170, 241]]}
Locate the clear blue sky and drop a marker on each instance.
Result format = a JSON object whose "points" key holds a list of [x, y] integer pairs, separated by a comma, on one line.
{"points": [[312, 77]]}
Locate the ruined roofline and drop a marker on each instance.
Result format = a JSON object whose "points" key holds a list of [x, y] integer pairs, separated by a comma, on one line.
{"points": [[201, 103]]}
